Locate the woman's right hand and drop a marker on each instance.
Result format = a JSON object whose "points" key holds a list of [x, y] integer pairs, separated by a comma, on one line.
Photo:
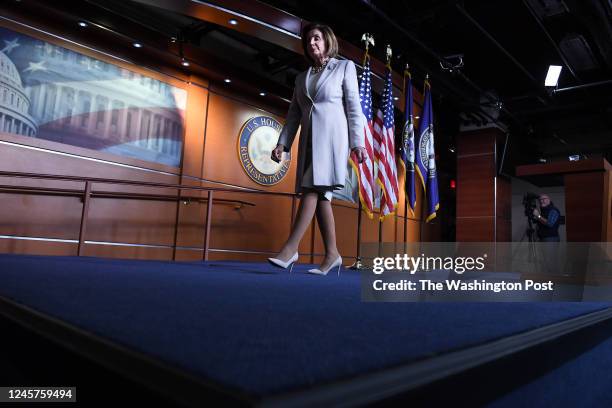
{"points": [[277, 153]]}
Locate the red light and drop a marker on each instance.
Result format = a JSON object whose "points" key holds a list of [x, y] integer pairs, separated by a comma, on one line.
{"points": [[453, 184]]}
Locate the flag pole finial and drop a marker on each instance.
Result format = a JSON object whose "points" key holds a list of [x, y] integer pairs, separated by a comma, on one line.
{"points": [[367, 39]]}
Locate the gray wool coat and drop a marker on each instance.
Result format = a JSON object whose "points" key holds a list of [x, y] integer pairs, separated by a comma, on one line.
{"points": [[334, 116]]}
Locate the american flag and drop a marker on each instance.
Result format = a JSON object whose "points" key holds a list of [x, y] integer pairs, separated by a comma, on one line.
{"points": [[365, 170], [384, 150], [407, 150]]}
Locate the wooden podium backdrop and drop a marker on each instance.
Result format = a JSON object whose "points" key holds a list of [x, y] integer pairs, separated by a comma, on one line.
{"points": [[145, 229]]}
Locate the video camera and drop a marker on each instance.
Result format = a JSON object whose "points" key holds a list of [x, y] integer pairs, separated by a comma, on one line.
{"points": [[530, 202]]}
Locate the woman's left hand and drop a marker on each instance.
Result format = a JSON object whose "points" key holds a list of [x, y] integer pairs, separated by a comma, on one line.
{"points": [[360, 154]]}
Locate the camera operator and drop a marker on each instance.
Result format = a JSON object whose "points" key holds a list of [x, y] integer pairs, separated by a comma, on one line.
{"points": [[547, 219]]}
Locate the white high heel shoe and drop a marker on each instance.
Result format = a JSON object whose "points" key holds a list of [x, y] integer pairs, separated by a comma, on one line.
{"points": [[284, 265], [337, 262]]}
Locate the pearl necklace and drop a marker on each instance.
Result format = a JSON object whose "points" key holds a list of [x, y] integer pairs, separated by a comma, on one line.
{"points": [[316, 70]]}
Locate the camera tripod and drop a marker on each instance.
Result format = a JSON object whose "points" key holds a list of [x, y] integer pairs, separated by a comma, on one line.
{"points": [[530, 234]]}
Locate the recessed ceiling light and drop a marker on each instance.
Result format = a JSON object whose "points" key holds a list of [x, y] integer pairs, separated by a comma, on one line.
{"points": [[137, 45], [233, 21], [83, 24], [552, 77], [262, 94], [227, 80]]}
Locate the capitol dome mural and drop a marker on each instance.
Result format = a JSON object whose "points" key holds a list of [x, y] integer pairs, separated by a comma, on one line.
{"points": [[57, 94], [14, 103]]}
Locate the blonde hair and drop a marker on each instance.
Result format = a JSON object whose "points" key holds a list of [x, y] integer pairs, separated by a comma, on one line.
{"points": [[331, 42]]}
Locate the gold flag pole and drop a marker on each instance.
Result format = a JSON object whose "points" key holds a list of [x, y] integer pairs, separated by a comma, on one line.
{"points": [[367, 39]]}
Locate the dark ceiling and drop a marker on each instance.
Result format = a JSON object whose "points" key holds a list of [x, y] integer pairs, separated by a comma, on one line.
{"points": [[505, 47]]}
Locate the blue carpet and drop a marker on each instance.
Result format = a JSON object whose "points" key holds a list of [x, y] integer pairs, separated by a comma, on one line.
{"points": [[252, 327], [585, 381]]}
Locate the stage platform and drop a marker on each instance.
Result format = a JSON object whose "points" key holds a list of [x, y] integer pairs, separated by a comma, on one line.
{"points": [[251, 334]]}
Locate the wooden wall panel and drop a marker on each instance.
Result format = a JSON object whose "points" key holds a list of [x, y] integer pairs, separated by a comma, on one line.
{"points": [[475, 186], [477, 142], [224, 256], [413, 229], [221, 161], [388, 229], [195, 125], [414, 233], [128, 252], [40, 216], [264, 227], [190, 231], [584, 197], [369, 229], [17, 156], [475, 229], [399, 229], [188, 255], [346, 229], [483, 201], [131, 221], [20, 246]]}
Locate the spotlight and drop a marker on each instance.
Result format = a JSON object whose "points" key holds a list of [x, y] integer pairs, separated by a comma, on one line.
{"points": [[227, 80], [184, 62], [552, 77], [452, 63], [262, 94], [542, 160], [395, 98], [417, 117], [574, 157], [83, 24], [233, 21], [137, 45]]}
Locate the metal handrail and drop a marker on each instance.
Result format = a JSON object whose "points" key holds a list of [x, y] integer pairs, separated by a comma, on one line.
{"points": [[137, 183], [111, 194], [87, 194]]}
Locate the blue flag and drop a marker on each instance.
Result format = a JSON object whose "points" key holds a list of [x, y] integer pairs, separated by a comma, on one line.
{"points": [[407, 151], [426, 156]]}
